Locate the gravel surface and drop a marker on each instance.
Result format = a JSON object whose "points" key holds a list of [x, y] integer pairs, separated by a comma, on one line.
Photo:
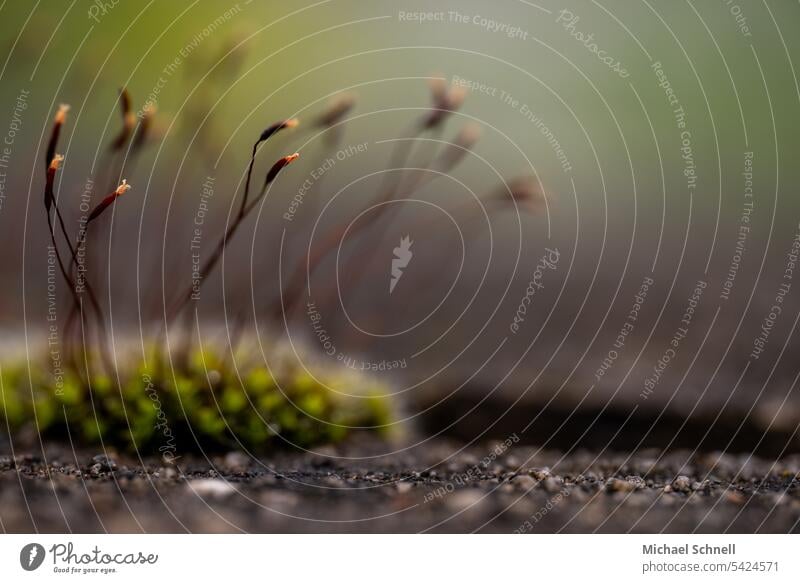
{"points": [[441, 487]]}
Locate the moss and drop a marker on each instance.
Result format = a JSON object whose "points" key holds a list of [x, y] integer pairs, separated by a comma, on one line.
{"points": [[203, 404]]}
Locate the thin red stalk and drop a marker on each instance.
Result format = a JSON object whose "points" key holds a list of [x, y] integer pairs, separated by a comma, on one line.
{"points": [[61, 116], [265, 135], [445, 102]]}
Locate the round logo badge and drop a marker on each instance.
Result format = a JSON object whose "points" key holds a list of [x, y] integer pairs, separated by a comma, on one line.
{"points": [[31, 556]]}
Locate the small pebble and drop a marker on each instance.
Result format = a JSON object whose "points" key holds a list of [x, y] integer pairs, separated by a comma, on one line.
{"points": [[211, 487], [524, 482], [333, 481], [464, 498], [618, 485], [735, 497], [552, 485], [105, 462], [540, 473], [681, 484]]}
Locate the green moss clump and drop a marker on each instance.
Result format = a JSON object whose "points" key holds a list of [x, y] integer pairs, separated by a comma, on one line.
{"points": [[205, 403]]}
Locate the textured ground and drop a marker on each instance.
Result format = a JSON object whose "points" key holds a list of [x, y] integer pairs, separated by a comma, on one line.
{"points": [[440, 488]]}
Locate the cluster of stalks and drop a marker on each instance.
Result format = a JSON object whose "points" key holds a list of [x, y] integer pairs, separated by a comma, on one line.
{"points": [[147, 408], [86, 324], [84, 328], [71, 250], [132, 137], [445, 101], [404, 177], [70, 262]]}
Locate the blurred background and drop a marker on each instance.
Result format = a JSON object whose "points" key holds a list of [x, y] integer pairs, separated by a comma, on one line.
{"points": [[651, 270]]}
